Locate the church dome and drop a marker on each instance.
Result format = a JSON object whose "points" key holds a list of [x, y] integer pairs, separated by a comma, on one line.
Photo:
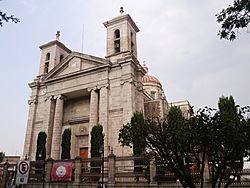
{"points": [[150, 79]]}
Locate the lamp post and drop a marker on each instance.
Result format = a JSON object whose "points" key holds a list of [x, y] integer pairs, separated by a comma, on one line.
{"points": [[101, 151], [41, 157]]}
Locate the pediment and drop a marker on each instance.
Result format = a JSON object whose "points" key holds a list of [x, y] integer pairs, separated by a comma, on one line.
{"points": [[76, 63]]}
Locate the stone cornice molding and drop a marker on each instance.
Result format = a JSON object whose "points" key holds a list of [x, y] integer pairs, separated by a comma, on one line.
{"points": [[60, 96], [32, 101], [130, 80], [137, 84], [52, 97], [57, 43], [120, 19], [92, 89], [98, 87], [103, 86]]}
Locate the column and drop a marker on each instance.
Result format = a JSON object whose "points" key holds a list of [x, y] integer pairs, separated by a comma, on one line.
{"points": [[111, 170], [78, 169], [49, 122], [93, 114], [103, 117], [48, 170], [152, 171], [57, 129], [30, 128]]}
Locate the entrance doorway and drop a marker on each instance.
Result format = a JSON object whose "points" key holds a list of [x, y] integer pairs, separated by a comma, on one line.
{"points": [[84, 153]]}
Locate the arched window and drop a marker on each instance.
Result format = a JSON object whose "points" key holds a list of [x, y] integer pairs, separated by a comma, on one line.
{"points": [[117, 34], [41, 146], [117, 41], [132, 43], [66, 144], [61, 58], [47, 57], [46, 64]]}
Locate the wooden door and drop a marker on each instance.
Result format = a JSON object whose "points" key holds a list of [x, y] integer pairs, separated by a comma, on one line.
{"points": [[84, 153]]}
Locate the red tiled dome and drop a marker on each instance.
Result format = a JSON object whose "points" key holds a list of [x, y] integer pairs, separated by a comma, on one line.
{"points": [[150, 79]]}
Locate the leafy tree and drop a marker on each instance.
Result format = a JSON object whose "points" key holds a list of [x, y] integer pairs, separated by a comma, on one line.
{"points": [[170, 140], [66, 144], [220, 136], [234, 17], [96, 145], [6, 18], [231, 141], [41, 146], [132, 135]]}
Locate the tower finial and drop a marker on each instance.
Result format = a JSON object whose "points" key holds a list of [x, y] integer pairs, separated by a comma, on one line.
{"points": [[121, 11], [58, 35]]}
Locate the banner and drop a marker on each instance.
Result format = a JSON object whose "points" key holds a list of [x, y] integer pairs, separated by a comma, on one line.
{"points": [[62, 171]]}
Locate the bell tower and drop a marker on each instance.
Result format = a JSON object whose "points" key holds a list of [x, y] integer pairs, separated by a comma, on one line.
{"points": [[52, 54], [121, 37]]}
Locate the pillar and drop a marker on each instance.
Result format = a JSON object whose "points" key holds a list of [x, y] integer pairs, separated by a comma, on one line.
{"points": [[28, 143], [152, 170], [103, 117], [111, 170], [93, 114], [49, 123], [48, 170], [78, 169], [57, 129]]}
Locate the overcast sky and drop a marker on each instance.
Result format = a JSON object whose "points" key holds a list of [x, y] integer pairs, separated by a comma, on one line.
{"points": [[177, 40]]}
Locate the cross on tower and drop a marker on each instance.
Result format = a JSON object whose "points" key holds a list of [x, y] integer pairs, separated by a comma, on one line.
{"points": [[58, 35]]}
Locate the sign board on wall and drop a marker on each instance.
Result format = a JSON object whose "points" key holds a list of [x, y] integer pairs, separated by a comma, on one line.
{"points": [[62, 171], [23, 168]]}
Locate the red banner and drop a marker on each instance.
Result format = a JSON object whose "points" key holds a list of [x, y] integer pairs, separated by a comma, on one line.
{"points": [[62, 171]]}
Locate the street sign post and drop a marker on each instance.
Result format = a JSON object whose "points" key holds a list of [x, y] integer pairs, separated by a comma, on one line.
{"points": [[23, 168]]}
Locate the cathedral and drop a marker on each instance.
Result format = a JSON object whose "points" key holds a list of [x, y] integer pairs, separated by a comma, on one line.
{"points": [[77, 91]]}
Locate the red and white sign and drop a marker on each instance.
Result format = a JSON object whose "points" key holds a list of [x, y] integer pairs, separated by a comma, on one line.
{"points": [[22, 175], [62, 171]]}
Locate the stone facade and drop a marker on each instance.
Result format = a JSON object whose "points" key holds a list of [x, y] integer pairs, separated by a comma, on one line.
{"points": [[77, 91]]}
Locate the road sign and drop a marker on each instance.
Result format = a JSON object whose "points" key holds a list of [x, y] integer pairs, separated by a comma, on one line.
{"points": [[23, 168]]}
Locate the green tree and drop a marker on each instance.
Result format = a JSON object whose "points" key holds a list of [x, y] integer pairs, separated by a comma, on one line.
{"points": [[132, 135], [170, 140], [66, 144], [233, 18], [6, 18], [96, 146], [41, 146], [220, 136], [230, 141]]}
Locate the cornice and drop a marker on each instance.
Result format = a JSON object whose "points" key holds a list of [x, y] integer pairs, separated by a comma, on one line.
{"points": [[120, 19]]}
